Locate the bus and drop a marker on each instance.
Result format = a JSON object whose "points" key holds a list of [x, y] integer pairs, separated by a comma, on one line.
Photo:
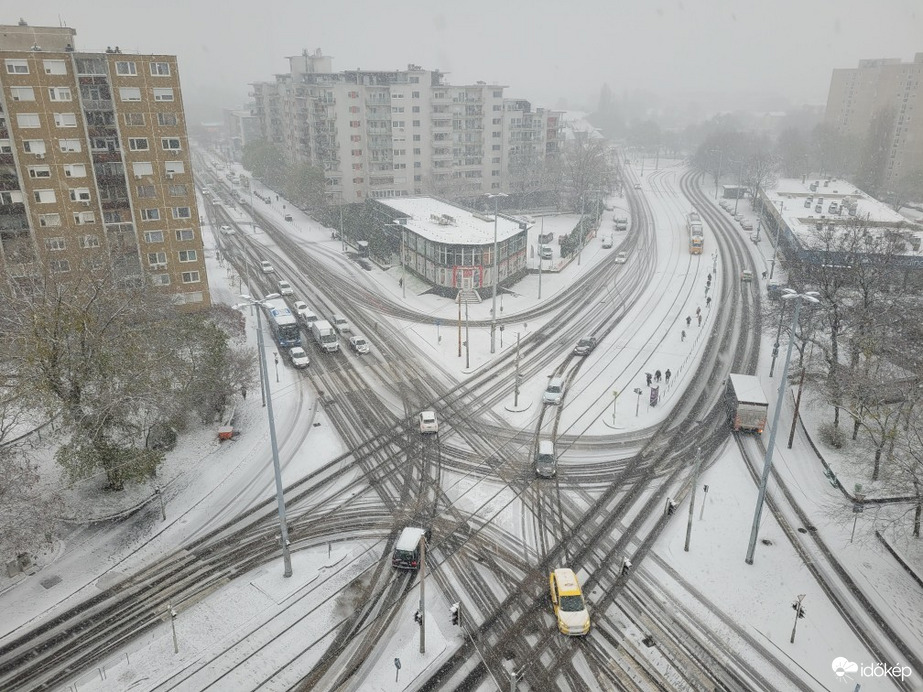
{"points": [[283, 324], [696, 236]]}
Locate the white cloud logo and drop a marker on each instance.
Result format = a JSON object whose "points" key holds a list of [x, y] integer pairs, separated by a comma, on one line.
{"points": [[841, 666]]}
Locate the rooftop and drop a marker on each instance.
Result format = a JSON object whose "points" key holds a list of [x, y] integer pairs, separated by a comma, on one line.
{"points": [[445, 223]]}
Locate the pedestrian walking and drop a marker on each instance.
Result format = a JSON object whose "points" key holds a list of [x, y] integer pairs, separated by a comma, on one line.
{"points": [[688, 320], [648, 375], [708, 302], [764, 273], [700, 320], [682, 335], [657, 376], [243, 393], [667, 375], [709, 277], [698, 312], [706, 288]]}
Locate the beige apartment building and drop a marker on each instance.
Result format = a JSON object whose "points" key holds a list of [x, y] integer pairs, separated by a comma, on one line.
{"points": [[95, 166], [881, 96], [396, 133]]}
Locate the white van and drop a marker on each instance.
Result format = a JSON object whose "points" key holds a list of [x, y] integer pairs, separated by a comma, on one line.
{"points": [[607, 241], [555, 391], [545, 252], [545, 461], [407, 548]]}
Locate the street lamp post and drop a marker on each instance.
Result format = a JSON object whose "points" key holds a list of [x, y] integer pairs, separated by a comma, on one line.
{"points": [[493, 308], [277, 469], [799, 298], [638, 391], [775, 252]]}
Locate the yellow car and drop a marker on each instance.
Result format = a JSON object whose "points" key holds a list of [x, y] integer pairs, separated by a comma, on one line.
{"points": [[567, 601]]}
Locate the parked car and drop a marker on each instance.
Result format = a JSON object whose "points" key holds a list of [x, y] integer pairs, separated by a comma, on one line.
{"points": [[285, 288], [358, 344], [607, 241], [266, 267], [746, 225], [568, 604], [288, 217], [340, 324], [584, 346], [738, 217], [298, 357], [621, 258], [545, 252], [428, 422]]}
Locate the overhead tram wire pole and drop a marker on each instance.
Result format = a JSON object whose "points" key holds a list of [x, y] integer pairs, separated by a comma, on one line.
{"points": [[277, 469], [811, 297], [775, 252], [496, 271]]}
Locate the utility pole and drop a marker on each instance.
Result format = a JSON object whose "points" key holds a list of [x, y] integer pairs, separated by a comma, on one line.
{"points": [[422, 594], [172, 615], [458, 299], [740, 180], [541, 234], [695, 483], [582, 227], [467, 341], [516, 388], [791, 435], [799, 613], [163, 511], [493, 308]]}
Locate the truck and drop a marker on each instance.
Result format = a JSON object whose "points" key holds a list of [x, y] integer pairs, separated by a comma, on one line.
{"points": [[747, 405], [325, 336]]}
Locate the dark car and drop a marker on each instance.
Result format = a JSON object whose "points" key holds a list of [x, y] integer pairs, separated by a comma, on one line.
{"points": [[584, 346]]}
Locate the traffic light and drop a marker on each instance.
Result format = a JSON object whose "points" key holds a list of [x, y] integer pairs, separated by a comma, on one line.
{"points": [[456, 613], [418, 617], [799, 608]]}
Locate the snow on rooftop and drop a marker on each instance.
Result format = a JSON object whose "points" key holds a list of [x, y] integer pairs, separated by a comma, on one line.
{"points": [[445, 223]]}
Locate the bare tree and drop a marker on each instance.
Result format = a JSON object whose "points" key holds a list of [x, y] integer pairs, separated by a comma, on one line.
{"points": [[585, 167]]}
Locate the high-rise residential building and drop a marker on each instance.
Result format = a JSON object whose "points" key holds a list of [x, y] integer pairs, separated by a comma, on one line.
{"points": [[95, 166], [400, 133], [875, 104]]}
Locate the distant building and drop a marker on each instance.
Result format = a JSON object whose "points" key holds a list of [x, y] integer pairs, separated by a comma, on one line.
{"points": [[881, 95], [94, 165], [452, 248], [381, 134], [243, 127]]}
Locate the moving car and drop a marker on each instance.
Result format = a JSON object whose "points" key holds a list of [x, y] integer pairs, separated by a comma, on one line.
{"points": [[299, 357], [555, 391], [621, 258], [428, 422], [584, 346], [288, 217], [746, 275], [358, 344], [285, 288], [340, 324], [227, 230], [407, 548], [568, 604], [266, 267], [301, 308], [637, 186], [545, 461]]}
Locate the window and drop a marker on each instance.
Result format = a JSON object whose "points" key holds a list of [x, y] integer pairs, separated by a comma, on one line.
{"points": [[190, 277], [354, 109], [177, 190], [416, 123], [415, 94], [67, 145], [80, 194], [65, 119], [355, 138], [45, 196], [358, 181], [6, 146], [176, 167], [34, 146], [163, 94], [84, 217], [357, 152], [416, 138], [54, 66], [416, 109], [188, 256], [417, 164], [160, 279], [353, 94], [352, 123], [185, 234], [416, 151], [157, 259], [170, 143], [357, 166], [59, 265], [140, 168], [150, 214], [181, 213], [22, 93], [160, 69], [55, 244], [75, 170], [89, 241], [25, 120], [126, 68], [39, 171], [153, 237], [147, 191], [133, 119], [96, 92], [17, 67], [166, 119], [49, 220], [138, 143], [130, 93], [59, 93]]}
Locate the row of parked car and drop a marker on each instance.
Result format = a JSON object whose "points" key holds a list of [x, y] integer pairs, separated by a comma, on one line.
{"points": [[745, 223]]}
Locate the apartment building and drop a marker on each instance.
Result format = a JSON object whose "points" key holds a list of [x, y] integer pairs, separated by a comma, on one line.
{"points": [[399, 133], [878, 99], [95, 167]]}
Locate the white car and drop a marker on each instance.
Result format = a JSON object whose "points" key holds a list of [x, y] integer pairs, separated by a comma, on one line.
{"points": [[607, 241], [637, 186], [340, 324], [227, 230], [266, 267], [301, 308], [285, 288], [621, 258], [428, 422], [299, 357], [358, 344]]}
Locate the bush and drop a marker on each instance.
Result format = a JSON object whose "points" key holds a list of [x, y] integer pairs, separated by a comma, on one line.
{"points": [[832, 436]]}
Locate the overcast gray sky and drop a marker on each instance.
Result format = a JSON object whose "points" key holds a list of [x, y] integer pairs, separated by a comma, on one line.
{"points": [[542, 49]]}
